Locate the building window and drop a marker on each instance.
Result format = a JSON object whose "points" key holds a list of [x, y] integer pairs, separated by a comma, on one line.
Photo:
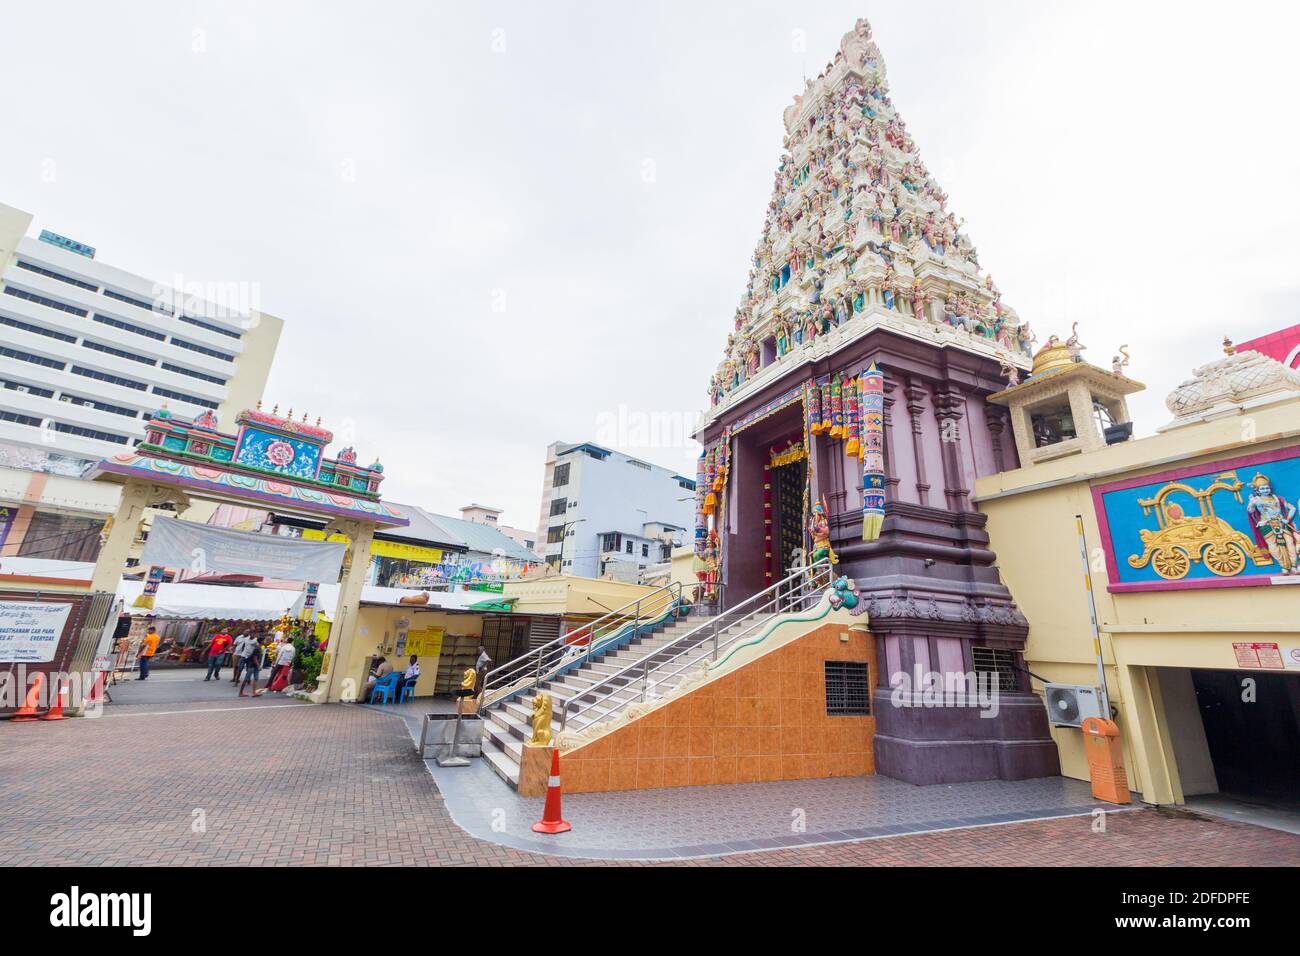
{"points": [[120, 353], [848, 690], [193, 374], [559, 506], [128, 327], [686, 483], [629, 547], [561, 477], [28, 389], [555, 535], [98, 405], [19, 419], [202, 349], [182, 397], [106, 377], [665, 552], [645, 550], [36, 329], [138, 303], [42, 300], [1001, 664], [56, 275], [210, 327], [89, 433], [29, 357]]}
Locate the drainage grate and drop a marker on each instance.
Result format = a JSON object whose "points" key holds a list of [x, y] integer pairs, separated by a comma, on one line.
{"points": [[848, 691]]}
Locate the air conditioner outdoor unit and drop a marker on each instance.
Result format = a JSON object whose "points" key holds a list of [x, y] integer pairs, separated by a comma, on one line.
{"points": [[1069, 705]]}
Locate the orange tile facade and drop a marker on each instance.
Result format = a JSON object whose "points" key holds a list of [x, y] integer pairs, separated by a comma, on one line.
{"points": [[764, 721]]}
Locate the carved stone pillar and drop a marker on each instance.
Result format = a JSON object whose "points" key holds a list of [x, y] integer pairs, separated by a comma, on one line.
{"points": [[915, 407], [949, 410]]}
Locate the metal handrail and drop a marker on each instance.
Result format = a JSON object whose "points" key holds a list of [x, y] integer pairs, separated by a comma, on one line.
{"points": [[787, 595], [532, 668]]}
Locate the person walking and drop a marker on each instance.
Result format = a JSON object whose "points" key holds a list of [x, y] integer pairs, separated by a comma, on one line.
{"points": [[248, 658], [280, 672], [221, 642], [148, 647]]}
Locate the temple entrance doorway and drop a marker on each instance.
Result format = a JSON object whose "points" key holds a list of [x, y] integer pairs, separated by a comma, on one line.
{"points": [[763, 513], [789, 492]]}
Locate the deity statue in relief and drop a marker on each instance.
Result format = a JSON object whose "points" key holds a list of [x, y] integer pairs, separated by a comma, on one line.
{"points": [[1120, 362], [819, 529], [1010, 373], [1025, 338], [1273, 520], [889, 286], [811, 325], [1075, 347], [715, 389], [818, 283], [920, 299], [781, 329]]}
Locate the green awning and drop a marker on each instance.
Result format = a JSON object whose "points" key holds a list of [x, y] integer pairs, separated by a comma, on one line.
{"points": [[504, 605]]}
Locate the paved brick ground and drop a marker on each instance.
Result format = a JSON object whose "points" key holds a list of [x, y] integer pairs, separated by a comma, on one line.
{"points": [[341, 786]]}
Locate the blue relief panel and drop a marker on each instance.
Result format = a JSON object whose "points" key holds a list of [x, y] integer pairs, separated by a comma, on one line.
{"points": [[283, 455]]}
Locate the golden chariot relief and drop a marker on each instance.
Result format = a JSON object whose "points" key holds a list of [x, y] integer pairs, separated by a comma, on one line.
{"points": [[1182, 540]]}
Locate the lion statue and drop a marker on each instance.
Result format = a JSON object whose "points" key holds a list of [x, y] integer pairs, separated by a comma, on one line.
{"points": [[541, 721]]}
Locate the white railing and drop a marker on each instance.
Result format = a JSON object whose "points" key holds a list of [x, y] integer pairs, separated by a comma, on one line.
{"points": [[800, 590], [533, 668]]}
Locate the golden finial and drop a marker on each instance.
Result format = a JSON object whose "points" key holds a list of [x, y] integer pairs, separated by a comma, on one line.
{"points": [[318, 421], [304, 416], [259, 404], [289, 417], [1228, 347], [276, 409]]}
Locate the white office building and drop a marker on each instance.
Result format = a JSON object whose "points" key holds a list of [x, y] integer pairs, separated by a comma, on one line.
{"points": [[87, 350], [608, 513]]}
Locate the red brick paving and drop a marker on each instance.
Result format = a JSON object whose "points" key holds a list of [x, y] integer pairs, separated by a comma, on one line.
{"points": [[342, 786]]}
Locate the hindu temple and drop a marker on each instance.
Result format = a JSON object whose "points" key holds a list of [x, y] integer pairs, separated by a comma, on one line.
{"points": [[849, 418]]}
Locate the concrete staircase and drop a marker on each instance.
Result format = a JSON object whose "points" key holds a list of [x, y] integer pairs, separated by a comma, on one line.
{"points": [[687, 642]]}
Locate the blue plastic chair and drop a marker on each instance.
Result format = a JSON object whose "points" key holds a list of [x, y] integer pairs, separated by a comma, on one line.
{"points": [[408, 693], [386, 685]]}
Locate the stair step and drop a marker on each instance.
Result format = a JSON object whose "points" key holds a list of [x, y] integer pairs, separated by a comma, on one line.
{"points": [[502, 766]]}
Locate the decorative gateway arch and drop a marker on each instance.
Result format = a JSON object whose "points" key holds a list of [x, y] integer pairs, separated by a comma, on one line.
{"points": [[272, 462], [849, 419]]}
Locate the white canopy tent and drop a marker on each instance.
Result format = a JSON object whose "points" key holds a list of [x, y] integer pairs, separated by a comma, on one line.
{"points": [[212, 602], [221, 602]]}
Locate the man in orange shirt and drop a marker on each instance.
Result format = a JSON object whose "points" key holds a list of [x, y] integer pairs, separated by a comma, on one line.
{"points": [[221, 642], [147, 648]]}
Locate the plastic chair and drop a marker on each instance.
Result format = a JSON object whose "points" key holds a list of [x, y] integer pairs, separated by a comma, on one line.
{"points": [[386, 685], [408, 692]]}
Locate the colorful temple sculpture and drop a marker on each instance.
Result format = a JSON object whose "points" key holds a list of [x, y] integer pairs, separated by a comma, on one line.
{"points": [[849, 418]]}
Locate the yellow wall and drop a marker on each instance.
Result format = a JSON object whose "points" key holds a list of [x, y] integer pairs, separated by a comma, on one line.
{"points": [[1031, 515], [565, 594], [377, 629]]}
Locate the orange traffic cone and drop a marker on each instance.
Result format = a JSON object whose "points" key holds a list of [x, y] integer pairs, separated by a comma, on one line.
{"points": [[28, 710], [56, 711], [551, 821]]}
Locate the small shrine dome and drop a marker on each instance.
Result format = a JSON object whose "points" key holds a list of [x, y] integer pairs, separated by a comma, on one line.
{"points": [[1237, 381]]}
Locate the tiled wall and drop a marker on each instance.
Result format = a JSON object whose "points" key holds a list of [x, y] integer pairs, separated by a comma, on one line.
{"points": [[765, 721]]}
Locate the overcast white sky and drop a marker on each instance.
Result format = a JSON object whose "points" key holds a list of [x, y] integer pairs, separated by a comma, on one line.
{"points": [[448, 203]]}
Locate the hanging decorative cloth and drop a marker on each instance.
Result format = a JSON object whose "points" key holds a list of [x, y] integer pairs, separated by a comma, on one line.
{"points": [[814, 408], [837, 407], [873, 458], [852, 419], [710, 481], [826, 408], [701, 517]]}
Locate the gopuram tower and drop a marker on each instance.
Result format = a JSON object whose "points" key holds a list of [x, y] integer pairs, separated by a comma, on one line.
{"points": [[853, 389]]}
